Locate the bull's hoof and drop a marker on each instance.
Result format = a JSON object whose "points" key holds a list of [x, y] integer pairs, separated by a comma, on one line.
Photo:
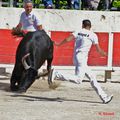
{"points": [[53, 85], [21, 91], [14, 88]]}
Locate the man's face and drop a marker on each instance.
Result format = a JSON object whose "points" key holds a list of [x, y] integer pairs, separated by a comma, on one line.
{"points": [[28, 7]]}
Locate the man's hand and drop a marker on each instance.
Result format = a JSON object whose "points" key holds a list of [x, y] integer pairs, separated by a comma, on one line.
{"points": [[16, 31], [68, 39], [104, 54], [100, 51]]}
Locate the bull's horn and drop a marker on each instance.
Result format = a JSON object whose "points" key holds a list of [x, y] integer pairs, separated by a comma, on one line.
{"points": [[26, 66]]}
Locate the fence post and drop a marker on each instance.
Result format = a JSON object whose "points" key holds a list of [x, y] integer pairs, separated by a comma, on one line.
{"points": [[110, 57]]}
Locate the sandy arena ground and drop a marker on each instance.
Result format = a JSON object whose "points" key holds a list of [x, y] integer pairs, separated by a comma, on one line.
{"points": [[68, 102]]}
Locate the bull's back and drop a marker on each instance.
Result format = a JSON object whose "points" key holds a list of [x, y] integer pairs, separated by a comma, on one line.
{"points": [[34, 41], [42, 40]]}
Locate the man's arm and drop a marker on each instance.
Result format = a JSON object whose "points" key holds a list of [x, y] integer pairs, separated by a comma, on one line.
{"points": [[71, 37], [16, 31], [38, 22], [100, 51], [19, 26]]}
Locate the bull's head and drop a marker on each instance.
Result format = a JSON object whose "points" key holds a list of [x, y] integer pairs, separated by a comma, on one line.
{"points": [[26, 66], [31, 74]]}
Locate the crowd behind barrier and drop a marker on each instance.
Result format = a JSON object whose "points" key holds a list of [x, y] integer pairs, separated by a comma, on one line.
{"points": [[113, 5]]}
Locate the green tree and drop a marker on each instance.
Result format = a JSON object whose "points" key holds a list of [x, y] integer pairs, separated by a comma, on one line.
{"points": [[116, 3]]}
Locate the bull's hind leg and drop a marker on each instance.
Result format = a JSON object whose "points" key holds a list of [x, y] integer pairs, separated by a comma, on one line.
{"points": [[50, 57], [49, 62]]}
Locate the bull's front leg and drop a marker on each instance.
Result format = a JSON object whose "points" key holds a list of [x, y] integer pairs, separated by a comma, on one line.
{"points": [[29, 79], [50, 57], [13, 83], [15, 78]]}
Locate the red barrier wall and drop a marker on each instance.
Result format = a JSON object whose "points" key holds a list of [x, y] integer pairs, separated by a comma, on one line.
{"points": [[116, 50], [8, 45], [63, 55]]}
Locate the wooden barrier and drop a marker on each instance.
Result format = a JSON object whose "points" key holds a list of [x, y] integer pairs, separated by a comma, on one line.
{"points": [[63, 55]]}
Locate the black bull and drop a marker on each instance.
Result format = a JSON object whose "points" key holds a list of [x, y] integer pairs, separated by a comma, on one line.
{"points": [[33, 50]]}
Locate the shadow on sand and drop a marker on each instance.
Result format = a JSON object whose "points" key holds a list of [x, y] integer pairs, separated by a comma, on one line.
{"points": [[5, 86], [47, 99]]}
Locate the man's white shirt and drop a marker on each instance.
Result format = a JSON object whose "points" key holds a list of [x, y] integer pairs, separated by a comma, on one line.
{"points": [[84, 39], [29, 22]]}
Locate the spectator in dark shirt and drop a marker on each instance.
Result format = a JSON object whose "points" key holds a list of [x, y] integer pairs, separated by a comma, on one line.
{"points": [[76, 4], [48, 4], [107, 4]]}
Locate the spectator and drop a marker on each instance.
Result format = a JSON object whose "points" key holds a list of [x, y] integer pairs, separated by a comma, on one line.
{"points": [[84, 5], [57, 4], [76, 4], [48, 4], [107, 4], [69, 4], [28, 20], [92, 4]]}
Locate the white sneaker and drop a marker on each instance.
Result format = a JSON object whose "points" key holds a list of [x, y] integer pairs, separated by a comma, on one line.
{"points": [[107, 99]]}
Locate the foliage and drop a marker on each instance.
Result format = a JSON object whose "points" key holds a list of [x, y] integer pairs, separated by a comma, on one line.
{"points": [[38, 3], [116, 3]]}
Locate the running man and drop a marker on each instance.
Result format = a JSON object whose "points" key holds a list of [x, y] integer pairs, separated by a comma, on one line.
{"points": [[84, 39]]}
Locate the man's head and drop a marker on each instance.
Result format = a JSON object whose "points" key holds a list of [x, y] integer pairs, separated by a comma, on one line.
{"points": [[86, 24], [28, 5]]}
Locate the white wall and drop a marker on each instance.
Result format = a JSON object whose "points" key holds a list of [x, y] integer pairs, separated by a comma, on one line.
{"points": [[64, 20]]}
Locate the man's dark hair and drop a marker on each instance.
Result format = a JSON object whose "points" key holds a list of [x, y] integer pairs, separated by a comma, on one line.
{"points": [[86, 23]]}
